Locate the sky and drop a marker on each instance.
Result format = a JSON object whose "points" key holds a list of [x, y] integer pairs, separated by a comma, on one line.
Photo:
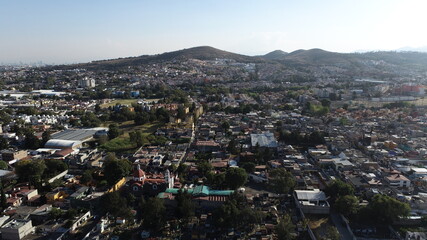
{"points": [[80, 30]]}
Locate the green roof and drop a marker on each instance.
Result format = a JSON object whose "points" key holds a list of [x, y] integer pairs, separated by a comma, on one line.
{"points": [[201, 191]]}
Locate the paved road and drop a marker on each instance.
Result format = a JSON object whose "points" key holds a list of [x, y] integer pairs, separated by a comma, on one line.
{"points": [[340, 225]]}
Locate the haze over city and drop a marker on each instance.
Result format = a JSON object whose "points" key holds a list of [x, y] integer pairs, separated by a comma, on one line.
{"points": [[81, 31]]}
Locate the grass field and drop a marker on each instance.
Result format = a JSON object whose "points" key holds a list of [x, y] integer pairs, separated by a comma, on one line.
{"points": [[118, 101], [122, 142], [420, 102]]}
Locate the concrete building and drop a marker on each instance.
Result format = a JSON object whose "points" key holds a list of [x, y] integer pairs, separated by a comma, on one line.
{"points": [[16, 229], [266, 139], [311, 201], [87, 83], [398, 180]]}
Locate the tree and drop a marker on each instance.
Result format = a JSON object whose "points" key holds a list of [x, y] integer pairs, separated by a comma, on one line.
{"points": [[332, 233], [116, 205], [185, 206], [89, 119], [180, 112], [281, 181], [153, 212], [54, 166], [227, 215], [113, 131], [249, 167], [45, 137], [116, 169], [235, 177], [338, 188], [3, 165], [142, 118], [326, 103], [4, 144], [28, 170], [3, 200], [55, 213], [383, 209], [347, 205], [86, 177], [203, 167], [232, 146], [225, 125], [31, 141], [285, 229]]}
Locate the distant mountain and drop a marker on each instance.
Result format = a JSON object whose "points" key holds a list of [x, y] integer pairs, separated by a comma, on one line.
{"points": [[274, 55], [379, 64], [413, 49], [316, 57], [201, 53]]}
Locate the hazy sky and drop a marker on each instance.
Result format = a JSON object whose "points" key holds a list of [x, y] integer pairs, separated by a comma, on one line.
{"points": [[84, 30]]}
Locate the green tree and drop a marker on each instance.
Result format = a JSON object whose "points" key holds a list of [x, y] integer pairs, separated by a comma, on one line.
{"points": [[3, 165], [113, 131], [116, 169], [249, 167], [332, 233], [3, 200], [185, 206], [281, 181], [383, 209], [203, 167], [285, 229], [226, 126], [116, 205], [227, 215], [232, 146], [45, 137], [181, 112], [55, 213], [54, 166], [4, 144], [28, 170], [153, 213], [31, 141], [86, 177], [235, 177], [347, 205], [338, 188]]}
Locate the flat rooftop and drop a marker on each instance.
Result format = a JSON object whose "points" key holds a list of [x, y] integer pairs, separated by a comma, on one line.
{"points": [[77, 134]]}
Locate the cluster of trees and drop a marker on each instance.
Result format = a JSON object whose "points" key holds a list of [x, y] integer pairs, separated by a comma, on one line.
{"points": [[141, 139], [115, 169], [281, 181], [316, 110], [381, 209], [236, 213], [36, 171], [232, 178], [297, 138]]}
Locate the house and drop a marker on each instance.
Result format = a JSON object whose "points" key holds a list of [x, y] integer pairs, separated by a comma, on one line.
{"points": [[311, 201], [16, 229], [398, 180]]}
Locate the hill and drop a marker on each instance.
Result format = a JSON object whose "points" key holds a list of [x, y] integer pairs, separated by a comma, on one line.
{"points": [[275, 55], [201, 53], [276, 64]]}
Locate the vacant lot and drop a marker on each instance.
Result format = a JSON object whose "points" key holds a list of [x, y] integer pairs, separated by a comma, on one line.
{"points": [[122, 142], [118, 101]]}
